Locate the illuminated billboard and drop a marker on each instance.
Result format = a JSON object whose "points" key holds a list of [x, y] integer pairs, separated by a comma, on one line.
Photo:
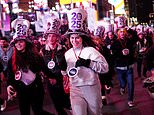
{"points": [[40, 4], [74, 1], [119, 6], [6, 1]]}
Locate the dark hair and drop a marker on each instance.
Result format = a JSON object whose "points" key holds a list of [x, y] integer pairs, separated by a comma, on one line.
{"points": [[86, 38], [87, 41], [4, 38], [27, 58], [111, 32]]}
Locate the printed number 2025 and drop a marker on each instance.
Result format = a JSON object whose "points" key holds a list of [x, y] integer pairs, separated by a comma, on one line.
{"points": [[76, 20]]}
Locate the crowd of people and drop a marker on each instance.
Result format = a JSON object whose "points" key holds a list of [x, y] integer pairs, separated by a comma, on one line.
{"points": [[77, 65]]}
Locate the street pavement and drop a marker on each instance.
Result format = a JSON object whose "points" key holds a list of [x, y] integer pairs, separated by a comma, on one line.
{"points": [[116, 103]]}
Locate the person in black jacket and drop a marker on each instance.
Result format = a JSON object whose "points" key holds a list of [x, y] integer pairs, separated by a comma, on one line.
{"points": [[2, 101], [53, 55], [149, 60], [123, 53], [110, 38], [24, 79], [106, 78]]}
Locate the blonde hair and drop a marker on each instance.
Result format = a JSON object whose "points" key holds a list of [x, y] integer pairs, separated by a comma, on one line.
{"points": [[122, 29]]}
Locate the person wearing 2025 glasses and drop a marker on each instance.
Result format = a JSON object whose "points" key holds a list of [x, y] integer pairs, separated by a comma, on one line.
{"points": [[84, 63]]}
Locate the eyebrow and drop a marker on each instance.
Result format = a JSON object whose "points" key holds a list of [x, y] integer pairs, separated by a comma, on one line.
{"points": [[75, 37]]}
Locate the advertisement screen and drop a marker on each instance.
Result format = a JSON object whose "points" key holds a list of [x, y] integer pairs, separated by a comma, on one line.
{"points": [[40, 4], [31, 16], [6, 1], [74, 1]]}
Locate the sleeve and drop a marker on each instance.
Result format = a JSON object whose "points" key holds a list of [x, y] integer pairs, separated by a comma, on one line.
{"points": [[1, 67], [10, 74], [98, 62], [116, 50]]}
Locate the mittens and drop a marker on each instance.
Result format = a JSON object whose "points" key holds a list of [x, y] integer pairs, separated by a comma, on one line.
{"points": [[82, 62]]}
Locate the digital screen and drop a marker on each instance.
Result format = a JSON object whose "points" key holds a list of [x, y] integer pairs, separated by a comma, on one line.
{"points": [[40, 4], [31, 16]]}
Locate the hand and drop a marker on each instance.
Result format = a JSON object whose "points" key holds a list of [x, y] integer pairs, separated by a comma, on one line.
{"points": [[52, 81], [11, 91], [143, 49], [82, 62]]}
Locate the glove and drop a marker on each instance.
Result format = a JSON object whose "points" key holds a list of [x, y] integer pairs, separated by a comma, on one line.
{"points": [[82, 62]]}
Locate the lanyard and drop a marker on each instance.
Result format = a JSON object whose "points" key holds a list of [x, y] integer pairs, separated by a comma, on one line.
{"points": [[53, 54], [79, 53]]}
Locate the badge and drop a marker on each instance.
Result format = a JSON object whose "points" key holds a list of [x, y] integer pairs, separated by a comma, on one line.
{"points": [[125, 51], [18, 75], [5, 58], [72, 72], [51, 64], [108, 46]]}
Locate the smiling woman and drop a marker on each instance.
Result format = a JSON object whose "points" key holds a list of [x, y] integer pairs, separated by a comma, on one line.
{"points": [[24, 78], [76, 40], [84, 63], [20, 45]]}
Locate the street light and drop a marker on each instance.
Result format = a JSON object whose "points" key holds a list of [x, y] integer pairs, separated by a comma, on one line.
{"points": [[31, 5]]}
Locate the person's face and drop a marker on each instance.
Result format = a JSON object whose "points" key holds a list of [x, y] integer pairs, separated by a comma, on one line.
{"points": [[76, 40], [35, 41], [141, 36], [42, 41], [20, 45], [3, 43], [122, 34], [52, 38], [110, 35]]}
